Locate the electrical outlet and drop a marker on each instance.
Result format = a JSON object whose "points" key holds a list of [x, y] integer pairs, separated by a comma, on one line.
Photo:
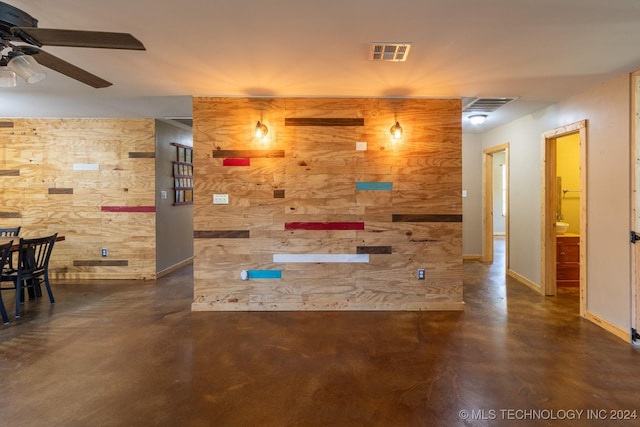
{"points": [[220, 199], [105, 252], [421, 274]]}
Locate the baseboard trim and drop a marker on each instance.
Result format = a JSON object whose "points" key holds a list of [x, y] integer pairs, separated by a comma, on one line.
{"points": [[175, 267], [608, 326], [471, 257], [524, 281], [235, 305]]}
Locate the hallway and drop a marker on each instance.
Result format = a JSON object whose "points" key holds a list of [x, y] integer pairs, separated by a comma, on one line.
{"points": [[113, 353]]}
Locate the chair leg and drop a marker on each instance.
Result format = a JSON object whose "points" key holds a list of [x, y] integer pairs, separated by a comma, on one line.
{"points": [[48, 286], [3, 311], [19, 296]]}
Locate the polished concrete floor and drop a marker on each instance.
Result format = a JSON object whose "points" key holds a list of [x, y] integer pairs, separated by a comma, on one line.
{"points": [[117, 353]]}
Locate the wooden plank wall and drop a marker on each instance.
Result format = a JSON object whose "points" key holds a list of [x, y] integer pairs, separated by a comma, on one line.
{"points": [[91, 180], [316, 221]]}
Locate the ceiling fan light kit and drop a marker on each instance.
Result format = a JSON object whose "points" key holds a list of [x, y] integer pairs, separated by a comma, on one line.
{"points": [[20, 59], [27, 68], [7, 77]]}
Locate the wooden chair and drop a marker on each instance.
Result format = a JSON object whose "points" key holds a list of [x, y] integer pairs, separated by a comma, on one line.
{"points": [[10, 232], [32, 268], [5, 251]]}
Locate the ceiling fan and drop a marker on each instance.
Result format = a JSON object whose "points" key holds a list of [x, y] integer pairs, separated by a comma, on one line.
{"points": [[21, 40]]}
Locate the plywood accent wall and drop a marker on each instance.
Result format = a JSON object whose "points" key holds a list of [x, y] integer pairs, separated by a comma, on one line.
{"points": [[91, 180], [328, 212]]}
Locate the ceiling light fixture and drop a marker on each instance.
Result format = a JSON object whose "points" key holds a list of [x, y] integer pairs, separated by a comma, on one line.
{"points": [[7, 77], [261, 130], [26, 67], [477, 119], [396, 130]]}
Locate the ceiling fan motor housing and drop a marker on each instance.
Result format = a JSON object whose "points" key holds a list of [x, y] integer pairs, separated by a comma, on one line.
{"points": [[18, 26], [13, 17]]}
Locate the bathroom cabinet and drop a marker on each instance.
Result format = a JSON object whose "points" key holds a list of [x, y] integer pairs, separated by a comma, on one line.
{"points": [[568, 260]]}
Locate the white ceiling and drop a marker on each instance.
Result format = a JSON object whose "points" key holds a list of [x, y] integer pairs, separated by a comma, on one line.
{"points": [[540, 51]]}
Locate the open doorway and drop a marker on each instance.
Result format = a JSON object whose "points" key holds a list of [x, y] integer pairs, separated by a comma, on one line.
{"points": [[495, 196], [558, 190]]}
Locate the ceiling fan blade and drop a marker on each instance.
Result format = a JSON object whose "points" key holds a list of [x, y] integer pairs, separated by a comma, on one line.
{"points": [[77, 38], [53, 62]]}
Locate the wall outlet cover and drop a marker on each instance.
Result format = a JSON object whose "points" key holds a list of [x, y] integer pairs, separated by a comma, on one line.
{"points": [[220, 199]]}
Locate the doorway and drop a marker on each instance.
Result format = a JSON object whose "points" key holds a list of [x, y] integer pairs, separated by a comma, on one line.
{"points": [[552, 196], [495, 196]]}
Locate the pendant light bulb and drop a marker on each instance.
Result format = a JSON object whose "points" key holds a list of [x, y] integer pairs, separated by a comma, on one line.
{"points": [[396, 130], [261, 130]]}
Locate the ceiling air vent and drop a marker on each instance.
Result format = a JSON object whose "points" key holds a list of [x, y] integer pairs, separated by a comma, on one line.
{"points": [[486, 105], [393, 52]]}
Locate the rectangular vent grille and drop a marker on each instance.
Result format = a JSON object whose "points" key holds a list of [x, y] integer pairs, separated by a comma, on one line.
{"points": [[486, 105], [393, 52]]}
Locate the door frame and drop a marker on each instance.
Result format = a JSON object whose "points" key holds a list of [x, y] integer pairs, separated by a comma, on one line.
{"points": [[487, 208], [549, 201], [635, 204]]}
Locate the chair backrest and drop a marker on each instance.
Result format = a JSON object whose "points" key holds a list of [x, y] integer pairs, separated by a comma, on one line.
{"points": [[11, 232], [34, 254], [5, 252]]}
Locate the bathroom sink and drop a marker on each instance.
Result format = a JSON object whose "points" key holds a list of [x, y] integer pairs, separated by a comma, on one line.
{"points": [[561, 227]]}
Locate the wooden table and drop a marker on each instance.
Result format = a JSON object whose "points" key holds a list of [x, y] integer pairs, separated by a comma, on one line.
{"points": [[16, 241]]}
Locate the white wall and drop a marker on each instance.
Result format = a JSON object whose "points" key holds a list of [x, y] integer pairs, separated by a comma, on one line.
{"points": [[472, 204], [606, 107]]}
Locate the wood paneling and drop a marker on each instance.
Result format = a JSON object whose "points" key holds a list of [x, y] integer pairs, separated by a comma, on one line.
{"points": [[248, 153], [68, 171], [312, 168], [221, 234], [142, 155], [236, 162], [314, 121], [427, 218], [129, 209], [101, 263], [61, 191]]}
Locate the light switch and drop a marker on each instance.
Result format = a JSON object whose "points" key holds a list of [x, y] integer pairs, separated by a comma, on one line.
{"points": [[163, 195], [464, 193], [220, 199]]}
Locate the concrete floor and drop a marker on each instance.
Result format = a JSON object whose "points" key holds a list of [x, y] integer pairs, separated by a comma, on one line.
{"points": [[113, 353]]}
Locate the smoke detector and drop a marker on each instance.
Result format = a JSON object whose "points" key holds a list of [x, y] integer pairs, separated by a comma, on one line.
{"points": [[390, 52]]}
